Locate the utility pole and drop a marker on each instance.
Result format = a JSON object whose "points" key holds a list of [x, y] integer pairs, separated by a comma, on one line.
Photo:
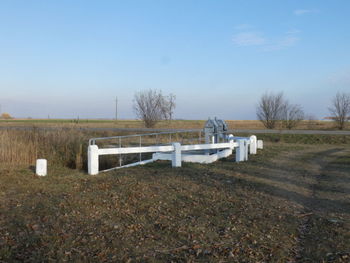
{"points": [[116, 108]]}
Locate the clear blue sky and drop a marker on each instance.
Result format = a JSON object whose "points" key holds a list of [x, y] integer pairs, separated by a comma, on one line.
{"points": [[71, 58]]}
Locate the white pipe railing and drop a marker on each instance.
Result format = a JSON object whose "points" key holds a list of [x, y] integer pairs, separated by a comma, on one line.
{"points": [[241, 144]]}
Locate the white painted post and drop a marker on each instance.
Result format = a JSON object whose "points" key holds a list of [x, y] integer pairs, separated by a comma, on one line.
{"points": [[212, 139], [230, 137], [41, 167], [93, 159], [246, 150], [240, 151], [176, 156], [260, 144], [253, 145]]}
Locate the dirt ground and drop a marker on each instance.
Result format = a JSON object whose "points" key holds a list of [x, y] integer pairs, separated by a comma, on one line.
{"points": [[289, 203]]}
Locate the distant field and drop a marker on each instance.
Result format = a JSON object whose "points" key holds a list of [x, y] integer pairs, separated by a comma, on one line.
{"points": [[175, 124]]}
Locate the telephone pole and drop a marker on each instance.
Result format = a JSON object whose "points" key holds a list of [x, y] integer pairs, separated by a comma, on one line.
{"points": [[116, 108]]}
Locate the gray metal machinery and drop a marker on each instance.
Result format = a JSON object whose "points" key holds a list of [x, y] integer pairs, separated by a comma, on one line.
{"points": [[221, 130], [214, 130]]}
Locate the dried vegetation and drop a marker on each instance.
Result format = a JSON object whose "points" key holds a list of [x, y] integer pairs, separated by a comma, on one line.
{"points": [[289, 203]]}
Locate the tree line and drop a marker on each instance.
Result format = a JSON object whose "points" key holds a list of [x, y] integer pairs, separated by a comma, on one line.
{"points": [[152, 106], [274, 108]]}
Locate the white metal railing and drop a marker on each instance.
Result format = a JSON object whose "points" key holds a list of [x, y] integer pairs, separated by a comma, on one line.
{"points": [[171, 151]]}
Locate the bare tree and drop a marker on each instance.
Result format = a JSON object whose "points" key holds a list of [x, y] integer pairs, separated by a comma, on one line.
{"points": [[269, 109], [291, 115], [169, 106], [152, 106], [340, 109]]}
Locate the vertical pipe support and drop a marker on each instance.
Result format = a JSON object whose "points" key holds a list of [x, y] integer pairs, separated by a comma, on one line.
{"points": [[253, 144], [140, 155], [176, 155], [230, 137], [93, 159], [240, 151]]}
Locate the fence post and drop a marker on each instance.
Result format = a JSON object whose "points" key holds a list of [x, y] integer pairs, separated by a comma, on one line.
{"points": [[176, 155], [41, 167], [230, 137], [253, 144], [93, 159], [246, 150], [240, 151]]}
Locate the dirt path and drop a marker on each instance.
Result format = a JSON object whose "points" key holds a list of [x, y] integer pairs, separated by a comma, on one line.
{"points": [[324, 221], [315, 181]]}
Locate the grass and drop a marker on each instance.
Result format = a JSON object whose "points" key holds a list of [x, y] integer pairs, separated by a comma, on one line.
{"points": [[175, 124], [302, 138], [271, 208], [288, 203], [68, 147]]}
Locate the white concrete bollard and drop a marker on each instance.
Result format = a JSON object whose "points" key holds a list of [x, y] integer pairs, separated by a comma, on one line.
{"points": [[246, 149], [93, 159], [260, 144], [230, 137], [41, 167], [253, 144], [176, 156], [240, 151]]}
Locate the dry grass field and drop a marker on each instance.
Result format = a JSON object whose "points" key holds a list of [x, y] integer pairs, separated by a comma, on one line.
{"points": [[175, 124], [289, 203]]}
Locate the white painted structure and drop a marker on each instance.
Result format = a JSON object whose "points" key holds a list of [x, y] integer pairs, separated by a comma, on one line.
{"points": [[41, 167], [176, 153]]}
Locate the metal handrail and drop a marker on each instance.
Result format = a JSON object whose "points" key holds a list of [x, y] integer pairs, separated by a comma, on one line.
{"points": [[92, 141]]}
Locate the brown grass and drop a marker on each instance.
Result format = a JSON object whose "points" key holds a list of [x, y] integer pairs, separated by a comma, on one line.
{"points": [[270, 209], [175, 124], [64, 147], [68, 147]]}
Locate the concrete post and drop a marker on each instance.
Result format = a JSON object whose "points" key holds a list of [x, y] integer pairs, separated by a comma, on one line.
{"points": [[93, 159], [246, 150], [253, 144], [260, 144], [41, 167], [240, 151], [230, 137], [176, 156]]}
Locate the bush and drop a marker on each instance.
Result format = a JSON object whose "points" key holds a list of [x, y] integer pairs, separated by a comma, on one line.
{"points": [[6, 116]]}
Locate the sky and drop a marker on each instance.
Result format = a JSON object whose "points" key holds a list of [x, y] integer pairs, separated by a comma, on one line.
{"points": [[69, 59]]}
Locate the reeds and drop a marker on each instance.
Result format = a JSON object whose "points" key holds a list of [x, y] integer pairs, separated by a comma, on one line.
{"points": [[59, 146]]}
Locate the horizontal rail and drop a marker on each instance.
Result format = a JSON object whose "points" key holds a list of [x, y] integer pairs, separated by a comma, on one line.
{"points": [[208, 146], [167, 148], [145, 149]]}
